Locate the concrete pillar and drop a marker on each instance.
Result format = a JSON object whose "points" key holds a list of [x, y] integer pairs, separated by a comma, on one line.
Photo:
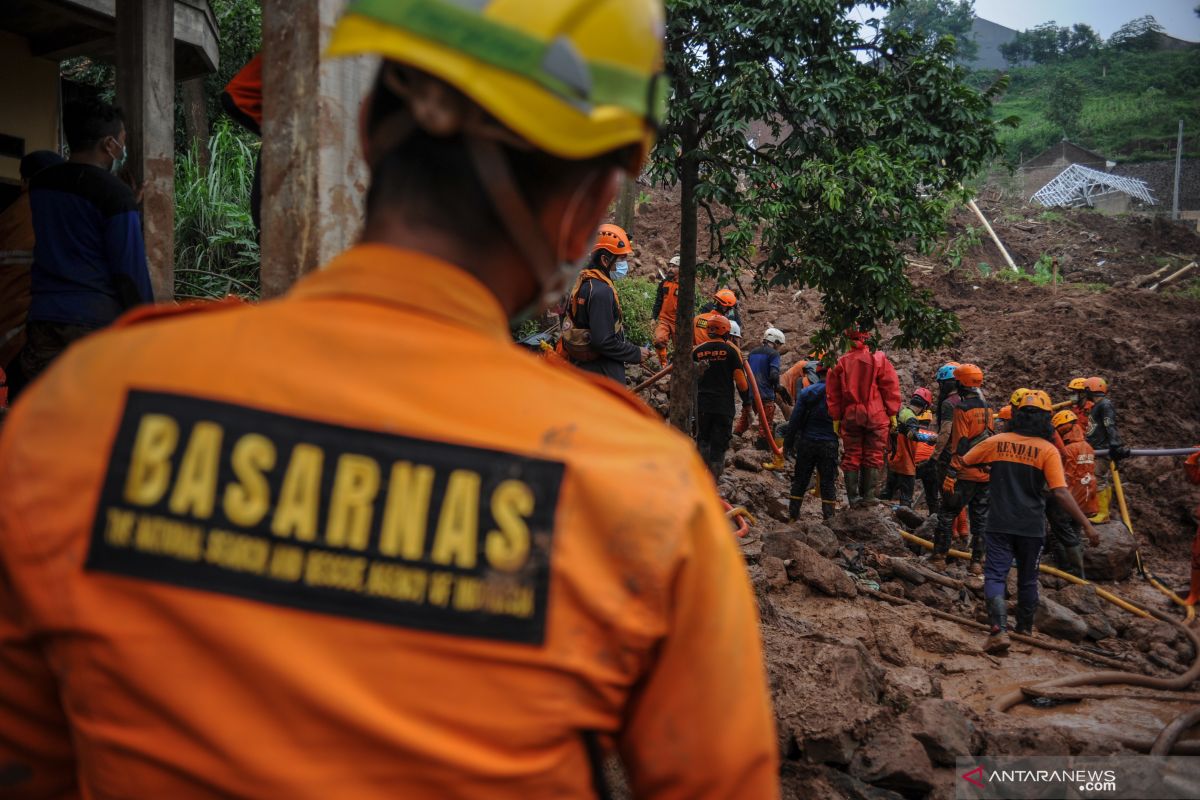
{"points": [[145, 61], [313, 175]]}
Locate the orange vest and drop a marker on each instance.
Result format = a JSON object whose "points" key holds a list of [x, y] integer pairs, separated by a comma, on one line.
{"points": [[700, 326], [1079, 466], [972, 424]]}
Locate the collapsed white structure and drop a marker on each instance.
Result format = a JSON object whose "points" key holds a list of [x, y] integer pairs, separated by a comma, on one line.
{"points": [[1078, 185]]}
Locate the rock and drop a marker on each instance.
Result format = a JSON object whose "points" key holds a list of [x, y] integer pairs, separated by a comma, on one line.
{"points": [[941, 727], [933, 595], [820, 538], [911, 682], [893, 759], [1059, 621], [1098, 627], [777, 507], [1080, 599], [871, 523], [894, 588], [749, 460], [821, 782], [751, 549], [1112, 558], [819, 572], [894, 643], [778, 542], [774, 572], [935, 636]]}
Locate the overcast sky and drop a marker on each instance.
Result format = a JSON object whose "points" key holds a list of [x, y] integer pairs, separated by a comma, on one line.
{"points": [[1176, 16]]}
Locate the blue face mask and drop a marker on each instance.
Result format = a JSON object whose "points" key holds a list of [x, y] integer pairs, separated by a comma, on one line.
{"points": [[621, 268]]}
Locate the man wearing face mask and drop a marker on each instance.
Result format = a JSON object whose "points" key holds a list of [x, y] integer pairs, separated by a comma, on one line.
{"points": [[479, 583], [89, 260], [593, 334]]}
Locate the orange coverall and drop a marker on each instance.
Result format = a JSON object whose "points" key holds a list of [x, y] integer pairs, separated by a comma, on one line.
{"points": [[223, 578]]}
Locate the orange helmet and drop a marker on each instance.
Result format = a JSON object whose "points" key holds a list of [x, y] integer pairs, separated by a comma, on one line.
{"points": [[1096, 385], [1064, 417], [969, 375], [1006, 412], [613, 239], [1037, 399], [726, 297], [718, 327], [1077, 385], [1018, 396]]}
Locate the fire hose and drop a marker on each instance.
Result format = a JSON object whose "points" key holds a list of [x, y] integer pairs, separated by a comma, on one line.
{"points": [[1172, 451], [745, 518], [1143, 570], [777, 462]]}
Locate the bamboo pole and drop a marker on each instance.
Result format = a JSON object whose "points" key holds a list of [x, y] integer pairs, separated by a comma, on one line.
{"points": [[988, 226]]}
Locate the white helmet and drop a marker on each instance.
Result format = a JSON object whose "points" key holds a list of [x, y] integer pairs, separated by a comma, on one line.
{"points": [[674, 262], [735, 330], [774, 336]]}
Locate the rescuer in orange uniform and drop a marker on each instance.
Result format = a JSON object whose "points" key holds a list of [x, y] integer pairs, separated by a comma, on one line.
{"points": [[666, 301], [222, 579], [965, 487], [1079, 468], [1192, 467]]}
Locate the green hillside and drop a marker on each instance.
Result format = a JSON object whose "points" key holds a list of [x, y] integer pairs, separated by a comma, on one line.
{"points": [[1132, 104]]}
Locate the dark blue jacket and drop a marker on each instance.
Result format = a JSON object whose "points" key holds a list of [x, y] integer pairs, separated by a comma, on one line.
{"points": [[765, 363], [89, 260], [810, 418]]}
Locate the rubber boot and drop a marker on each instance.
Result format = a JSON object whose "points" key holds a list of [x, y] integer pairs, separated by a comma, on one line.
{"points": [[1193, 597], [794, 507], [976, 567], [1074, 561], [961, 526], [1025, 620], [827, 508], [870, 483], [997, 642], [851, 487], [1103, 501]]}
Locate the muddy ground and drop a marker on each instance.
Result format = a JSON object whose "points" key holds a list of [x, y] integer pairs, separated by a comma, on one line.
{"points": [[875, 699]]}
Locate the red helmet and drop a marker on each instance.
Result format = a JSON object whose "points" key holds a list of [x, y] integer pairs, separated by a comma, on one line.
{"points": [[718, 327], [925, 395], [1096, 385], [614, 239], [726, 297]]}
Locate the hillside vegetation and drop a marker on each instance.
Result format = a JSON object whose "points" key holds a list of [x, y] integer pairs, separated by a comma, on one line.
{"points": [[1132, 104]]}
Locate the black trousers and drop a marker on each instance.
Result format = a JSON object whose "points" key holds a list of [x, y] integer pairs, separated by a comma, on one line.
{"points": [[973, 497], [900, 487], [927, 472], [1063, 533], [713, 434], [821, 456]]}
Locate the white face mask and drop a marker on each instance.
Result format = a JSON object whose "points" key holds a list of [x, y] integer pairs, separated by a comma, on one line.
{"points": [[119, 162], [621, 269]]}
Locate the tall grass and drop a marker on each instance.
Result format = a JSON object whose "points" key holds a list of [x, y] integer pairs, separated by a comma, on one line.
{"points": [[216, 245]]}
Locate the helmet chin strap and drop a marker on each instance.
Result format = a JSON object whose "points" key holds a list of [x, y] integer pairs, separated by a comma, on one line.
{"points": [[552, 271]]}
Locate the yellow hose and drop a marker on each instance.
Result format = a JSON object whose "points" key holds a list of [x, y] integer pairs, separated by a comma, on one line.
{"points": [[1107, 595], [1190, 611]]}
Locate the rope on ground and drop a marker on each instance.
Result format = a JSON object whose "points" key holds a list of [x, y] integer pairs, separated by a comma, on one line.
{"points": [[1045, 645], [1170, 735]]}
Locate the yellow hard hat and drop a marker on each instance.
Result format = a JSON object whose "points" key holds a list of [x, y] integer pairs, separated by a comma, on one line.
{"points": [[1018, 396], [1064, 417], [1076, 384], [574, 78]]}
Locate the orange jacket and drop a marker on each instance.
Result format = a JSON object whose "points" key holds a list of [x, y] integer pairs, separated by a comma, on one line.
{"points": [[224, 578], [973, 422], [794, 379], [1079, 466], [700, 326], [242, 98]]}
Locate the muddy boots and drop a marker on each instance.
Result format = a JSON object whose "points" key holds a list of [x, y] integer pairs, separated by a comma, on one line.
{"points": [[1074, 561], [997, 642], [869, 484], [1103, 502], [852, 484], [827, 509], [794, 502], [1025, 620]]}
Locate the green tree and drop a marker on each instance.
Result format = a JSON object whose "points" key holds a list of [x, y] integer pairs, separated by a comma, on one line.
{"points": [[1137, 34], [1047, 43], [933, 19], [871, 135], [1065, 104]]}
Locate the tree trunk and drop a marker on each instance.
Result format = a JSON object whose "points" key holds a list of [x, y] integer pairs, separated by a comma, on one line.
{"points": [[195, 117], [683, 380], [626, 202]]}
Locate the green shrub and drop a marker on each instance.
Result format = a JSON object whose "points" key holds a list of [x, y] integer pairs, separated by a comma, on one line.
{"points": [[216, 245], [637, 301]]}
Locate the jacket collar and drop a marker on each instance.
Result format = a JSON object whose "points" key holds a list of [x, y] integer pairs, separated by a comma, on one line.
{"points": [[408, 279]]}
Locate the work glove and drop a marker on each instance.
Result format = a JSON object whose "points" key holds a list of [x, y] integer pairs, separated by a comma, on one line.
{"points": [[894, 422], [837, 427], [1118, 452]]}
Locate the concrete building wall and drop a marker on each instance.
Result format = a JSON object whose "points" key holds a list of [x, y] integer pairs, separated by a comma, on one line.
{"points": [[989, 36], [28, 105]]}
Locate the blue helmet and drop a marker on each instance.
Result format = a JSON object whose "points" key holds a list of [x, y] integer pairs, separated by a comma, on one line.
{"points": [[946, 373]]}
